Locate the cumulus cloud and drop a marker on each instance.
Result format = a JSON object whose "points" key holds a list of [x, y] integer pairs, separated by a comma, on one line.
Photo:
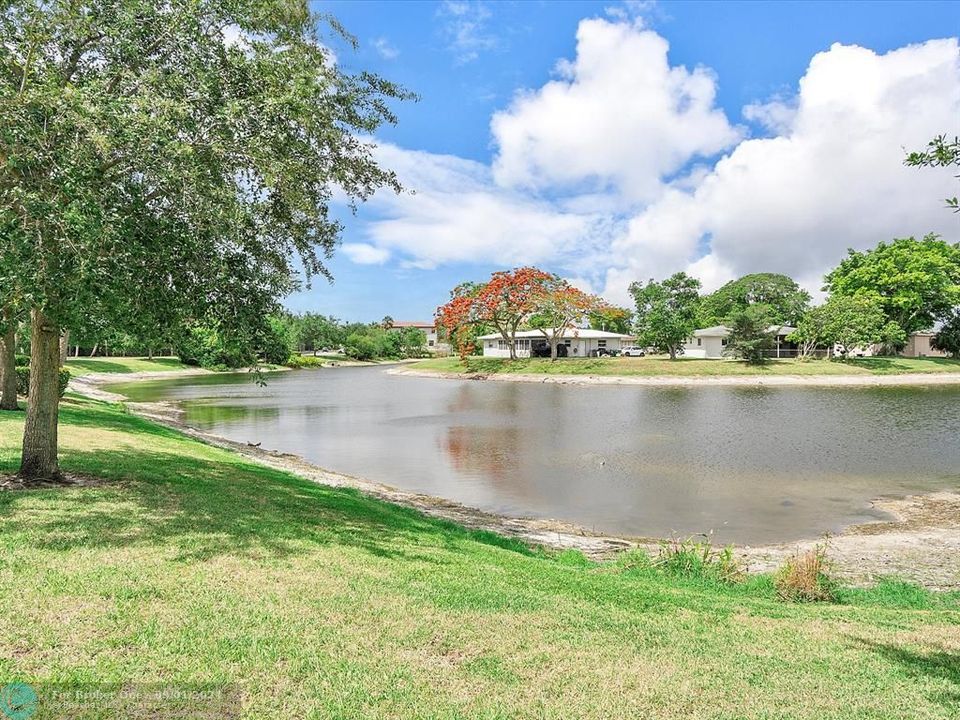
{"points": [[454, 212], [618, 118], [623, 168], [832, 178]]}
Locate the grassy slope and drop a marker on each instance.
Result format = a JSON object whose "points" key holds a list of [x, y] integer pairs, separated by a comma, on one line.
{"points": [[655, 366], [123, 365], [194, 566]]}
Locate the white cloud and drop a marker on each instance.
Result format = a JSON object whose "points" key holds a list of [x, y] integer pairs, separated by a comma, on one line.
{"points": [[453, 212], [618, 118], [609, 174], [464, 25], [385, 48], [833, 178], [365, 254]]}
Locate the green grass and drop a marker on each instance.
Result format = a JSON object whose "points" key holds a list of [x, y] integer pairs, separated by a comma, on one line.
{"points": [[122, 365], [662, 367], [194, 567]]}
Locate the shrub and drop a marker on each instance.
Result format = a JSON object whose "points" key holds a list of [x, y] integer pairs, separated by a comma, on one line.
{"points": [[23, 381], [692, 558], [21, 360], [304, 361], [360, 347], [208, 348], [804, 577], [274, 342]]}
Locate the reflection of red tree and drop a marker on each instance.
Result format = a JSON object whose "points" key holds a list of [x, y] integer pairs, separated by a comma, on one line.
{"points": [[489, 452]]}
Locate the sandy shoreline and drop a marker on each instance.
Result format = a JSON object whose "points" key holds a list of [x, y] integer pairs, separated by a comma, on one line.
{"points": [[698, 380], [920, 543]]}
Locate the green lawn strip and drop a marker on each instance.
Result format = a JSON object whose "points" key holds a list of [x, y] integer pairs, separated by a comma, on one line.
{"points": [[122, 365], [684, 367], [193, 565]]}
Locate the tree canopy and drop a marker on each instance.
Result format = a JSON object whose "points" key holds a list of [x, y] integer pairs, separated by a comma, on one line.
{"points": [[915, 282], [666, 312], [849, 322], [940, 152], [163, 161], [784, 299]]}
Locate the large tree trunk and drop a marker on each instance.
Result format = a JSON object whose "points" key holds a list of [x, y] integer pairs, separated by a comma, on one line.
{"points": [[673, 352], [39, 460], [8, 370], [64, 347]]}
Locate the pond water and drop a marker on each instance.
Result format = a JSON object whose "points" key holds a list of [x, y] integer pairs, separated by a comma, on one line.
{"points": [[750, 465]]}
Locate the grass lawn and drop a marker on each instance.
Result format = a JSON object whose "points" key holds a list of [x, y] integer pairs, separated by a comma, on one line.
{"points": [[194, 567], [660, 366], [88, 365]]}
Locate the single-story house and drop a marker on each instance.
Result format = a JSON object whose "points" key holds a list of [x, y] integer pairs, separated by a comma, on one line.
{"points": [[580, 342], [918, 345], [428, 328], [710, 343]]}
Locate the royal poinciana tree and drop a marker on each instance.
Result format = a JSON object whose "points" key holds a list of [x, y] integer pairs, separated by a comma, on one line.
{"points": [[178, 157], [505, 302], [559, 306]]}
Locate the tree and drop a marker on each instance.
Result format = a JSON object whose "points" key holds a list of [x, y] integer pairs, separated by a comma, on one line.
{"points": [[947, 338], [612, 319], [558, 307], [8, 371], [750, 337], [146, 161], [506, 301], [857, 322], [940, 152], [666, 312], [785, 300], [916, 282], [811, 331]]}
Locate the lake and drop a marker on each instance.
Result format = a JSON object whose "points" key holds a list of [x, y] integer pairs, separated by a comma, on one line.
{"points": [[750, 465]]}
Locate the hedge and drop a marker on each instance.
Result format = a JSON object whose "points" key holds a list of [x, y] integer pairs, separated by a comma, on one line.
{"points": [[21, 360], [23, 381]]}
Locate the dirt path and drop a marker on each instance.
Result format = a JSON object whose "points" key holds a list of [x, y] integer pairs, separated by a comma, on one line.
{"points": [[921, 543], [700, 380]]}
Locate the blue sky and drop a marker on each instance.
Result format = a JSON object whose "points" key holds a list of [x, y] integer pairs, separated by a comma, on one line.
{"points": [[628, 160]]}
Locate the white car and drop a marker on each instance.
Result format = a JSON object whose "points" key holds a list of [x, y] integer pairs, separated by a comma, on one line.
{"points": [[633, 351]]}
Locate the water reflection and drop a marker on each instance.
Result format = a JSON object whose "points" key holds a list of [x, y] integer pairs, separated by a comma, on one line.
{"points": [[751, 464]]}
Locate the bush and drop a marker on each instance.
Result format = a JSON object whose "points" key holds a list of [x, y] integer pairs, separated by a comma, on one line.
{"points": [[208, 348], [804, 577], [304, 361], [691, 558], [21, 360], [360, 347], [274, 342], [23, 381]]}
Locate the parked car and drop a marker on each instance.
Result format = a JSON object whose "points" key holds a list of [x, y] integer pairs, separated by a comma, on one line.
{"points": [[633, 351], [604, 352]]}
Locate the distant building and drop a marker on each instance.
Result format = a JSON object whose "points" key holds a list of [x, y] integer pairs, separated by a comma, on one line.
{"points": [[428, 327], [918, 345], [711, 343], [579, 342]]}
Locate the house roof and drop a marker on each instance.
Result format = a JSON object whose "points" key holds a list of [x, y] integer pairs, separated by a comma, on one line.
{"points": [[723, 330], [412, 323], [585, 333]]}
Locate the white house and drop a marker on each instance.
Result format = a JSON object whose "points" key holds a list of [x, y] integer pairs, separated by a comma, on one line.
{"points": [[580, 342], [428, 327], [710, 343]]}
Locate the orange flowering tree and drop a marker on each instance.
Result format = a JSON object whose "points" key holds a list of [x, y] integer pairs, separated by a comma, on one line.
{"points": [[559, 307], [506, 301]]}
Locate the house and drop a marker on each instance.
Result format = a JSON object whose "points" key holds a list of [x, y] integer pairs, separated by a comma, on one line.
{"points": [[710, 343], [428, 328], [918, 345], [580, 342]]}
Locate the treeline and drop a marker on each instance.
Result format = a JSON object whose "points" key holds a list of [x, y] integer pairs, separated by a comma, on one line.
{"points": [[875, 298], [276, 339]]}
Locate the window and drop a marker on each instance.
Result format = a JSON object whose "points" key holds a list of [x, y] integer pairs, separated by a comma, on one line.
{"points": [[430, 343], [601, 343], [567, 343], [699, 342], [723, 341]]}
